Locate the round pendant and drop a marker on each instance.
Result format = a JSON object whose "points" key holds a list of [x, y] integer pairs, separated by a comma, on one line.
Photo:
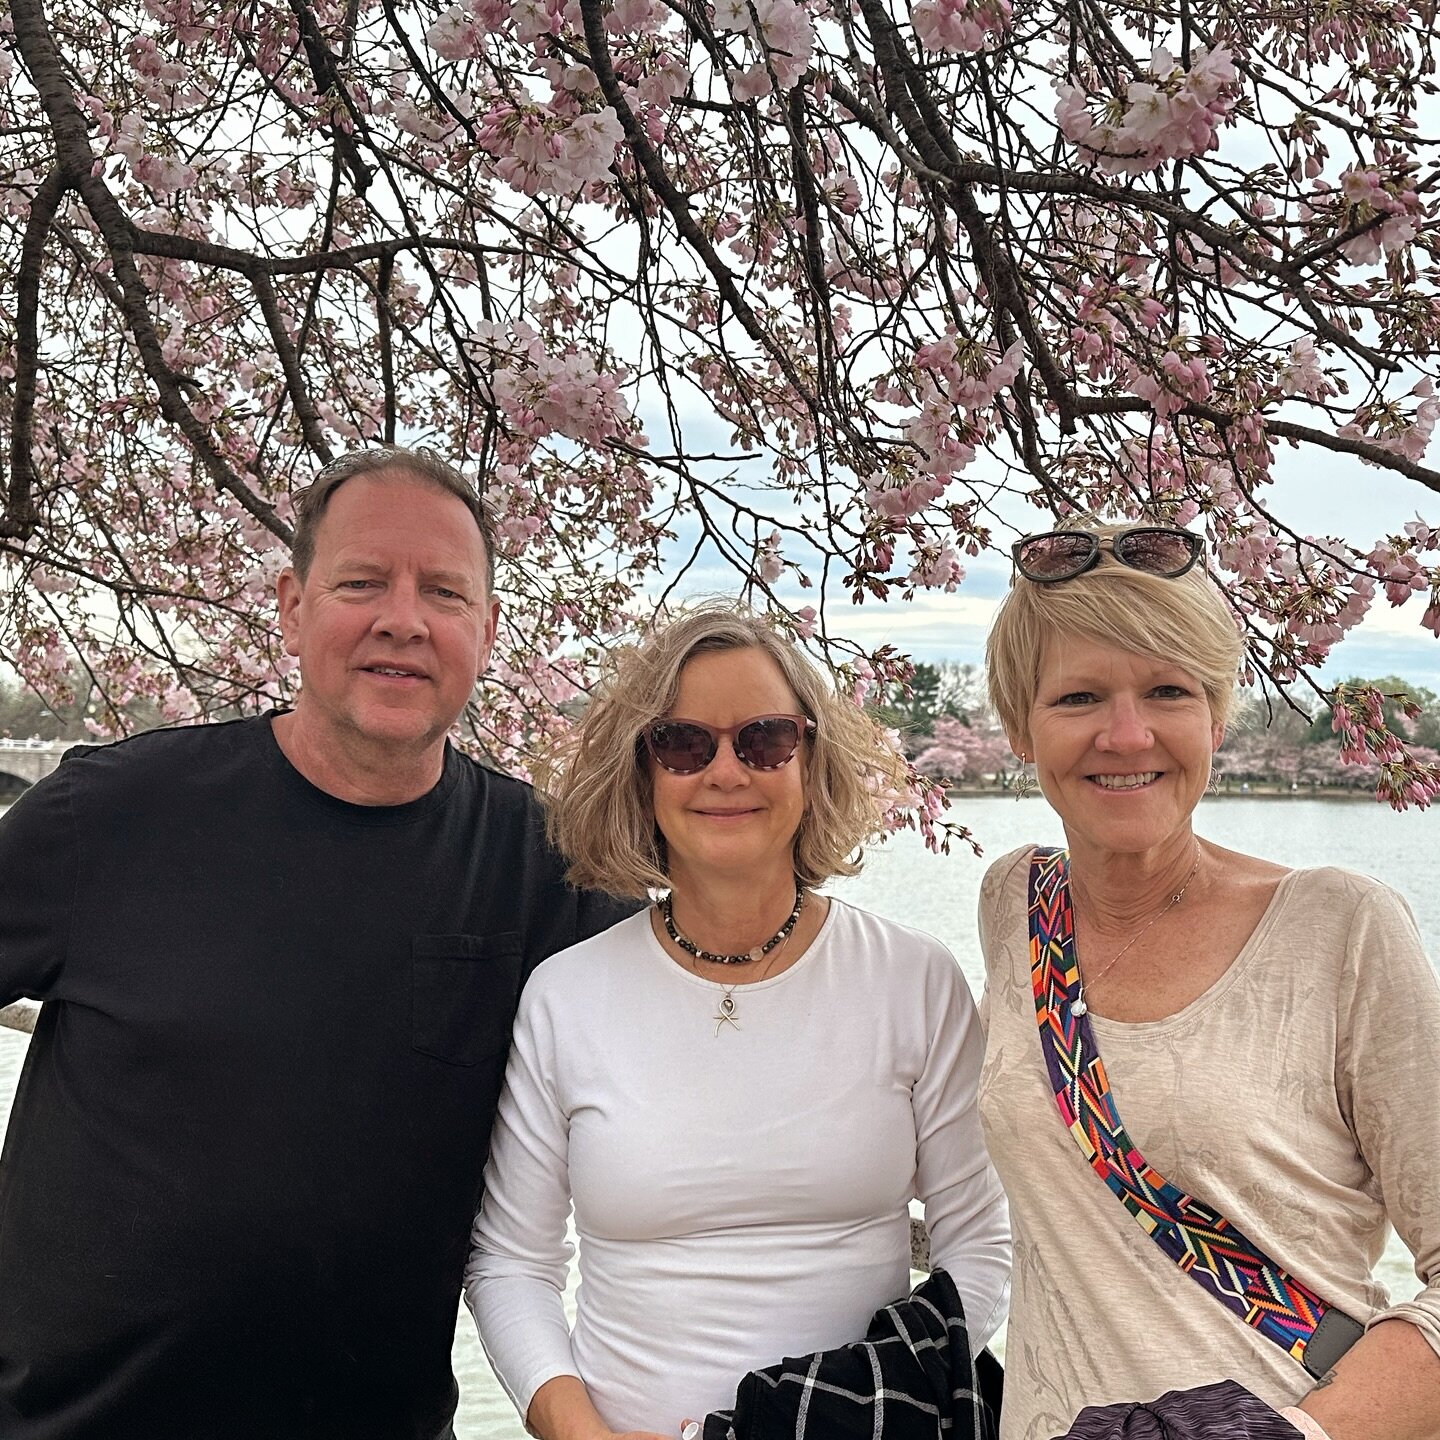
{"points": [[1079, 1007], [758, 953]]}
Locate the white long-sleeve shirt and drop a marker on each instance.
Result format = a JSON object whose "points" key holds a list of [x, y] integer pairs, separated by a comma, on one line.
{"points": [[739, 1194]]}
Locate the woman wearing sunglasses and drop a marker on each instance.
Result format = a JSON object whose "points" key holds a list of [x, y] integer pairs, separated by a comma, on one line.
{"points": [[740, 1089], [1209, 1082]]}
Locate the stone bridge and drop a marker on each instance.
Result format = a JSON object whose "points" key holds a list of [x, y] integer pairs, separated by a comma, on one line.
{"points": [[29, 760]]}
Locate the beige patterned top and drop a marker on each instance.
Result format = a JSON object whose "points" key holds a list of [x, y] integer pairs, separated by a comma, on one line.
{"points": [[1300, 1095]]}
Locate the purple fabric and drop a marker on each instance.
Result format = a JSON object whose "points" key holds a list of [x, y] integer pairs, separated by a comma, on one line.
{"points": [[1224, 1411]]}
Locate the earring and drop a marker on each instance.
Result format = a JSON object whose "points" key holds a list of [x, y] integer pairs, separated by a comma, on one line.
{"points": [[1212, 786], [1024, 785]]}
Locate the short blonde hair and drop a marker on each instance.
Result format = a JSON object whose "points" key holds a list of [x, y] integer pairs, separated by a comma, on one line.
{"points": [[597, 787], [1185, 621]]}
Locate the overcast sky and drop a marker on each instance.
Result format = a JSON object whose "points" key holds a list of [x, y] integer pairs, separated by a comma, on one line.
{"points": [[1316, 494]]}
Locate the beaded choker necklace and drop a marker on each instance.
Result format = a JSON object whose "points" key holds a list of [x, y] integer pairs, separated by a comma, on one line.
{"points": [[667, 914]]}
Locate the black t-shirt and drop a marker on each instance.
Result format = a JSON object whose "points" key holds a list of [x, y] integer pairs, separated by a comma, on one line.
{"points": [[248, 1141]]}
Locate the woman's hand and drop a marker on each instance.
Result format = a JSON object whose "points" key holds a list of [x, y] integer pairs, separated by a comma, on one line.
{"points": [[1306, 1424], [561, 1409]]}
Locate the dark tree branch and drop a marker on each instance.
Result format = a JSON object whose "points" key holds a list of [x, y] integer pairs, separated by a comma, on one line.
{"points": [[20, 516]]}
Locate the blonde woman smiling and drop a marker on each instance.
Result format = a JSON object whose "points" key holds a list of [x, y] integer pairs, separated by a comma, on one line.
{"points": [[1208, 1203], [741, 1089]]}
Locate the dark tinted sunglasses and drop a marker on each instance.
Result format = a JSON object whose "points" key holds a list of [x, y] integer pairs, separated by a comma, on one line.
{"points": [[1063, 554], [766, 742]]}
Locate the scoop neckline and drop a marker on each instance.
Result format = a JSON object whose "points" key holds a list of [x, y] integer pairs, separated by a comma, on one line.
{"points": [[1215, 992], [671, 963]]}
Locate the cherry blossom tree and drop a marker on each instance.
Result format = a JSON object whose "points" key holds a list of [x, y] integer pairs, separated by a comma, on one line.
{"points": [[961, 752], [819, 290]]}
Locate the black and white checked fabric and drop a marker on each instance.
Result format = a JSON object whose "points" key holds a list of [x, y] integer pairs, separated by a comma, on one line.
{"points": [[911, 1378]]}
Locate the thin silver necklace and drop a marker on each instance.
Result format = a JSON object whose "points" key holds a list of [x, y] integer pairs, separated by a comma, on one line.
{"points": [[1079, 1007]]}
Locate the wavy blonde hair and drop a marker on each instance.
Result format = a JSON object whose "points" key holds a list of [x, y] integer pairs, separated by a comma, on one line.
{"points": [[597, 787], [1184, 621]]}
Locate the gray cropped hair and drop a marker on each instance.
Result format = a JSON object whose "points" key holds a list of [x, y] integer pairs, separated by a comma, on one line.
{"points": [[416, 463]]}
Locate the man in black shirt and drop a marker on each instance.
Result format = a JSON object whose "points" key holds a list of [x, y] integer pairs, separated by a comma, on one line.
{"points": [[279, 959]]}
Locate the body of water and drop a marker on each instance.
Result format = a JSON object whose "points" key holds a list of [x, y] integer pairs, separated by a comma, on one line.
{"points": [[938, 893]]}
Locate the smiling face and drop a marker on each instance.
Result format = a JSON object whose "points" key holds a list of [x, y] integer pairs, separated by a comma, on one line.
{"points": [[727, 817], [1121, 742], [392, 627]]}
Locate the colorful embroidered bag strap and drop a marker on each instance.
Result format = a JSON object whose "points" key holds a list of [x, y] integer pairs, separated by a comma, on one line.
{"points": [[1201, 1241]]}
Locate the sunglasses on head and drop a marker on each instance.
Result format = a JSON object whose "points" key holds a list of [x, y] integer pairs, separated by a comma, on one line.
{"points": [[1163, 550], [766, 742]]}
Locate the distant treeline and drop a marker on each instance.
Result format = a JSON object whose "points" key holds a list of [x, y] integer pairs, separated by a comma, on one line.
{"points": [[946, 726], [949, 731], [25, 715]]}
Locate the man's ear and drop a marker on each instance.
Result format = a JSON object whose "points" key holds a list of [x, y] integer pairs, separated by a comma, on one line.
{"points": [[487, 643], [288, 590]]}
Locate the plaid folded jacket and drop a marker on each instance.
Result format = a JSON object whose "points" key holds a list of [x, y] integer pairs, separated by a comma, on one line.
{"points": [[911, 1378]]}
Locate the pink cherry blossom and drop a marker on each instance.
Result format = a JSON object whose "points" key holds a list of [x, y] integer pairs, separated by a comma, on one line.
{"points": [[1173, 115], [959, 26]]}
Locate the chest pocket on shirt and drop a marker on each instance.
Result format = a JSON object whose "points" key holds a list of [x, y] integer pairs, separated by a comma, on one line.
{"points": [[463, 994]]}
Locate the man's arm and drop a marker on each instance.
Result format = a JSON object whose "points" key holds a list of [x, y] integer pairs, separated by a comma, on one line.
{"points": [[38, 853]]}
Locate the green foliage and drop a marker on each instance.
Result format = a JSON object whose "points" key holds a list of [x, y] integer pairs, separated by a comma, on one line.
{"points": [[1422, 731], [948, 690], [27, 715]]}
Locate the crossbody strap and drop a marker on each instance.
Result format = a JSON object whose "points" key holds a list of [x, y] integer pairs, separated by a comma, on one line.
{"points": [[1201, 1241]]}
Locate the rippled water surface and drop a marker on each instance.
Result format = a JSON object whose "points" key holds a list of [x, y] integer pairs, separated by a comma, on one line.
{"points": [[938, 894]]}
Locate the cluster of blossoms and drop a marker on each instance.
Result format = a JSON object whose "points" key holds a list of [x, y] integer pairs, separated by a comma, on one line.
{"points": [[899, 496], [1405, 778], [541, 394], [1302, 374], [1172, 115], [959, 27], [1389, 428], [781, 30], [1398, 563], [1104, 316], [162, 174], [459, 33], [1178, 380], [541, 152], [937, 568], [949, 375], [1391, 219], [769, 563]]}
